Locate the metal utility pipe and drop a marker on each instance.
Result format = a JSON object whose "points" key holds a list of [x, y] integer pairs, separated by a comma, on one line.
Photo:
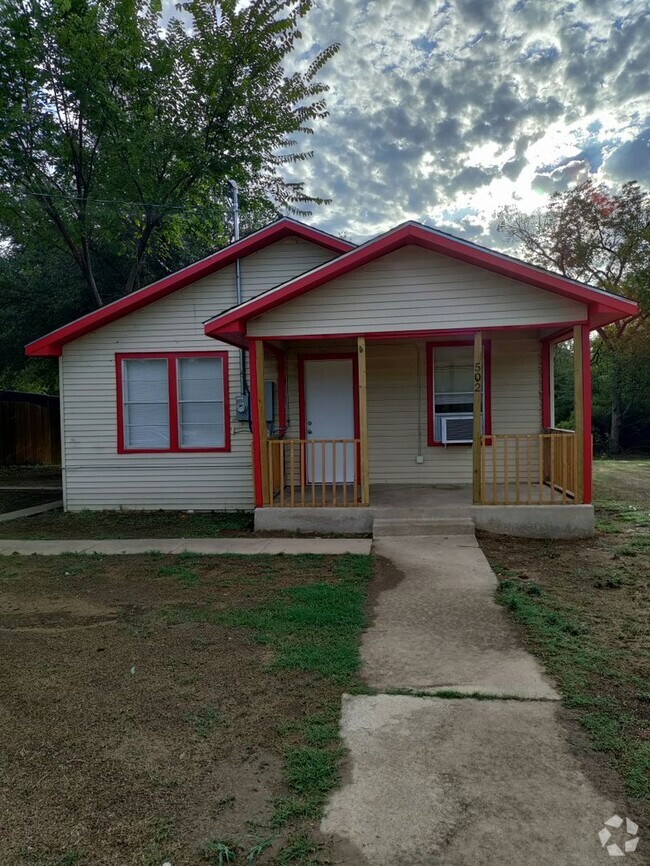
{"points": [[235, 219]]}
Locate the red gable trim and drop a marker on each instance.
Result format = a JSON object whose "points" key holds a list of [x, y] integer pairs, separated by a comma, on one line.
{"points": [[52, 343], [234, 320]]}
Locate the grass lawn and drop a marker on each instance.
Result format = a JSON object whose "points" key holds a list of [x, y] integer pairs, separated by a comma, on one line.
{"points": [[584, 607], [173, 708], [129, 524]]}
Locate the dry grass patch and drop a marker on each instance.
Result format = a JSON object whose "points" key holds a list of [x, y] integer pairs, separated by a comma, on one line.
{"points": [[585, 608], [129, 524], [13, 500], [179, 708]]}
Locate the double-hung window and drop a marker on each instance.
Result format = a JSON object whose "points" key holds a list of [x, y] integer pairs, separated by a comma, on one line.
{"points": [[173, 402], [450, 384]]}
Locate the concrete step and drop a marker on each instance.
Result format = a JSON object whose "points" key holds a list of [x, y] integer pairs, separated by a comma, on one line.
{"points": [[422, 526], [430, 513]]}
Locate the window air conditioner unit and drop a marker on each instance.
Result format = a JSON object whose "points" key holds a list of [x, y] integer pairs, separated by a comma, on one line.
{"points": [[457, 429]]}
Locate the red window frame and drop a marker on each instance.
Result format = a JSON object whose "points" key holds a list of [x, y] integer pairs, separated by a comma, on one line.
{"points": [[487, 389], [172, 384]]}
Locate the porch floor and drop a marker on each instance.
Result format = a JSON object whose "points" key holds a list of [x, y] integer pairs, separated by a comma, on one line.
{"points": [[419, 497], [410, 500], [429, 510]]}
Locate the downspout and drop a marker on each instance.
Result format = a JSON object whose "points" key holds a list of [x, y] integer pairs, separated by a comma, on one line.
{"points": [[235, 214]]}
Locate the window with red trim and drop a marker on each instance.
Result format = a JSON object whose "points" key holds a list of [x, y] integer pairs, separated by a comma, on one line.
{"points": [[450, 392], [172, 401]]}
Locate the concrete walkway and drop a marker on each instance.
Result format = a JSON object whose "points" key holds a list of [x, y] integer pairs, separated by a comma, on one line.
{"points": [[460, 782], [32, 510], [244, 546], [440, 628]]}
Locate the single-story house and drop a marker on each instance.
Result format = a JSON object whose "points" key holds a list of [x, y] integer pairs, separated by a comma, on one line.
{"points": [[416, 364]]}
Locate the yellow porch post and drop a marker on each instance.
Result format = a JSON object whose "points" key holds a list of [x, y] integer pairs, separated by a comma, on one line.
{"points": [[578, 400], [260, 410], [477, 433], [363, 421]]}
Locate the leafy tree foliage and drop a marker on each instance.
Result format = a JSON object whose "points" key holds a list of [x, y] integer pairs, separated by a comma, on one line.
{"points": [[118, 131], [36, 291], [591, 234], [563, 383]]}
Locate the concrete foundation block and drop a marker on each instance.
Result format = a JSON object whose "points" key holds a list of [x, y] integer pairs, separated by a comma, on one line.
{"points": [[422, 526], [341, 521], [536, 521]]}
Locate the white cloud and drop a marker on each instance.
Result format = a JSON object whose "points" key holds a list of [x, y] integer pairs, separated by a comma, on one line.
{"points": [[445, 111]]}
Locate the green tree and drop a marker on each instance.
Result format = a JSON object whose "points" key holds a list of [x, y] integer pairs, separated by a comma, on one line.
{"points": [[563, 385], [118, 131], [591, 234], [35, 292], [629, 370]]}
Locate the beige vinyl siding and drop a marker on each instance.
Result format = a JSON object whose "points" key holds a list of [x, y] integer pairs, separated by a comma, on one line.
{"points": [[278, 263], [415, 289], [397, 406], [96, 476]]}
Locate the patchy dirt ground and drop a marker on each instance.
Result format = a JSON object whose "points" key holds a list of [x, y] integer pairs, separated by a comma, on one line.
{"points": [[585, 608], [136, 727], [25, 486], [30, 476], [129, 524], [13, 500]]}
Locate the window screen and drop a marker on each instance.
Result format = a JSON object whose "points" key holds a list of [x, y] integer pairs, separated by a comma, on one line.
{"points": [[146, 403], [201, 403], [453, 369], [453, 384]]}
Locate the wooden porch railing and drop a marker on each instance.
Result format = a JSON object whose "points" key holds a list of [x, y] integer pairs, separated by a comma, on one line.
{"points": [[529, 468], [314, 473]]}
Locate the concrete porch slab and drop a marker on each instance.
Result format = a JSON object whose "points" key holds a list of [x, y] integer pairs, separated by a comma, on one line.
{"points": [[342, 521], [435, 503], [536, 521]]}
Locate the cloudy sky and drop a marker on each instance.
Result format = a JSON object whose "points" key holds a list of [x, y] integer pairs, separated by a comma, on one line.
{"points": [[443, 111]]}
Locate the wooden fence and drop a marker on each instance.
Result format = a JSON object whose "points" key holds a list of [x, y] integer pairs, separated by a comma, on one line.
{"points": [[30, 431]]}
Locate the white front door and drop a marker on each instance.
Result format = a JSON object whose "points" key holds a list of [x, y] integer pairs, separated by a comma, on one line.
{"points": [[329, 414]]}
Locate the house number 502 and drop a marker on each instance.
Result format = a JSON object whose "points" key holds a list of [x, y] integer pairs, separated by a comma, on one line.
{"points": [[478, 376]]}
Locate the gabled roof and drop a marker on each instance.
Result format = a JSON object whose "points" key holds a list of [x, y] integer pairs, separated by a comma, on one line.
{"points": [[604, 307], [52, 343]]}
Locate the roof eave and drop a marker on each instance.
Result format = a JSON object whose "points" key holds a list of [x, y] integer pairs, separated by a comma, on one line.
{"points": [[404, 235], [51, 345]]}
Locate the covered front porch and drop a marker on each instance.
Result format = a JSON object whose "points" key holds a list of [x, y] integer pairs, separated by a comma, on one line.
{"points": [[449, 345], [391, 461]]}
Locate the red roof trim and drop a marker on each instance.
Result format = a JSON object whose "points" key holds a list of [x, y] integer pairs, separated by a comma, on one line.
{"points": [[430, 239], [52, 343], [237, 338]]}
